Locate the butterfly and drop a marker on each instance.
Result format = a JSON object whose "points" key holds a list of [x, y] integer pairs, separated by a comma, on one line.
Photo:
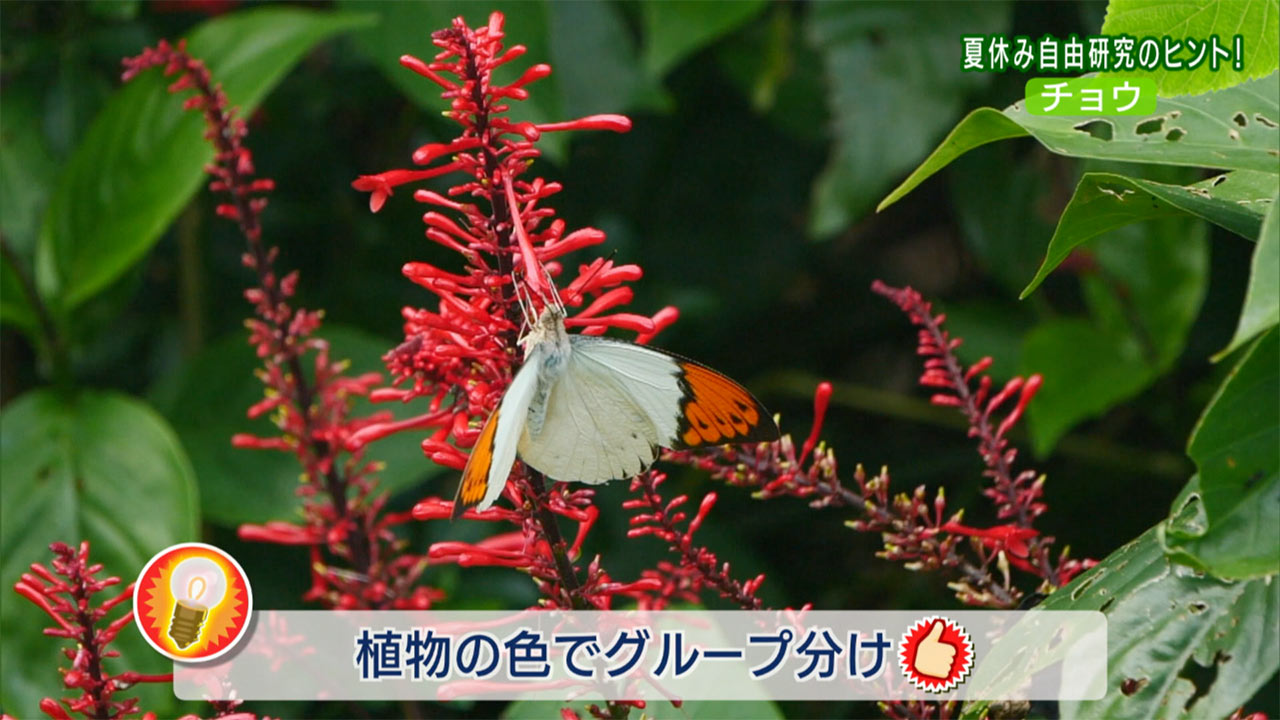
{"points": [[591, 409]]}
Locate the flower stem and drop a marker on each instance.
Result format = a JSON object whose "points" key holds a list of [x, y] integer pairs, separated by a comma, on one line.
{"points": [[559, 550]]}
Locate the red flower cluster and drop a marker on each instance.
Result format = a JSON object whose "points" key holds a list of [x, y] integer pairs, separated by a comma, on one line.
{"points": [[699, 566], [1016, 495], [915, 528], [461, 354], [311, 410], [66, 593]]}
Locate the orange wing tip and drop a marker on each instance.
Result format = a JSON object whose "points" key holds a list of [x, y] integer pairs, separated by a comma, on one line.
{"points": [[718, 410]]}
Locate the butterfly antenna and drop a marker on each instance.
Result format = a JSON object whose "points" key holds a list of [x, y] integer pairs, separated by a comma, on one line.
{"points": [[526, 305], [555, 293]]}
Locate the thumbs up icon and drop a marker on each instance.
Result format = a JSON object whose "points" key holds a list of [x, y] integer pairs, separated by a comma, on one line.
{"points": [[934, 656]]}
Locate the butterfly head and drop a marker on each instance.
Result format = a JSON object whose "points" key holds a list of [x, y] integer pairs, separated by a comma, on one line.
{"points": [[545, 327]]}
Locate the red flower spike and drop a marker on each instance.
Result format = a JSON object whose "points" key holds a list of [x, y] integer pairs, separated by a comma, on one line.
{"points": [[67, 591], [311, 410]]}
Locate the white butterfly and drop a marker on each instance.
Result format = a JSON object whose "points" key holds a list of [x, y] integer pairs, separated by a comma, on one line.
{"points": [[592, 409]]}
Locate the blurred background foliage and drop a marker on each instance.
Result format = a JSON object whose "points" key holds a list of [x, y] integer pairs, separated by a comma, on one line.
{"points": [[764, 135]]}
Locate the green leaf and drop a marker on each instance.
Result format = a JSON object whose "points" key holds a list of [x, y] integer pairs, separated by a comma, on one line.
{"points": [[1232, 129], [27, 169], [96, 466], [999, 203], [982, 126], [26, 175], [1143, 285], [1105, 201], [1227, 521], [675, 29], [207, 402], [895, 85], [1257, 21], [15, 306], [143, 157], [1161, 618], [1086, 371], [1262, 299]]}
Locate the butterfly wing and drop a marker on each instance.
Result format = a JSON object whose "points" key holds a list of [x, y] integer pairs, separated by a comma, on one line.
{"points": [[618, 402], [590, 428], [494, 453]]}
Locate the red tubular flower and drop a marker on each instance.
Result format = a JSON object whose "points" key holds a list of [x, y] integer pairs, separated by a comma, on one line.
{"points": [[308, 394], [699, 566], [66, 592], [460, 354]]}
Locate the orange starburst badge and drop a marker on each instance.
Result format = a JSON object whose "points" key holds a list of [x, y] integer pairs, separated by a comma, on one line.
{"points": [[192, 602]]}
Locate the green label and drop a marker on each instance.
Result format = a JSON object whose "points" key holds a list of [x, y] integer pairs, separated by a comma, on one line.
{"points": [[1091, 96]]}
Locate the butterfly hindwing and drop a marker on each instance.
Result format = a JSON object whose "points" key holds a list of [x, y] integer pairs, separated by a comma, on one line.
{"points": [[494, 453]]}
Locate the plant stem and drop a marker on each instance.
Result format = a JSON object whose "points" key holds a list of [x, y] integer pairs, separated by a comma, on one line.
{"points": [[559, 549]]}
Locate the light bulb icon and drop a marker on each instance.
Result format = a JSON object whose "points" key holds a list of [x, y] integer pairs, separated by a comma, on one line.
{"points": [[197, 584]]}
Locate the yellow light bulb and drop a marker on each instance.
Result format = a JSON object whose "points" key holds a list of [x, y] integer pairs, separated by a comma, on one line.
{"points": [[197, 584]]}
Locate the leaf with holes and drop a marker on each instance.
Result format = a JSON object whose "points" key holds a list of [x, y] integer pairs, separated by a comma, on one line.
{"points": [[1162, 620], [888, 55], [101, 467], [1227, 521], [143, 158], [1188, 27], [1233, 129], [1262, 299], [1236, 201]]}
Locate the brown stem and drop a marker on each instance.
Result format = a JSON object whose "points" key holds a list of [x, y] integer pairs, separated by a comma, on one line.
{"points": [[559, 548]]}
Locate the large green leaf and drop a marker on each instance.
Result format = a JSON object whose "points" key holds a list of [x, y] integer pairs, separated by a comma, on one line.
{"points": [[143, 157], [207, 400], [1236, 201], [1257, 21], [1143, 285], [1228, 519], [1232, 129], [895, 84], [101, 467], [1262, 299], [675, 29], [594, 61], [1161, 618]]}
